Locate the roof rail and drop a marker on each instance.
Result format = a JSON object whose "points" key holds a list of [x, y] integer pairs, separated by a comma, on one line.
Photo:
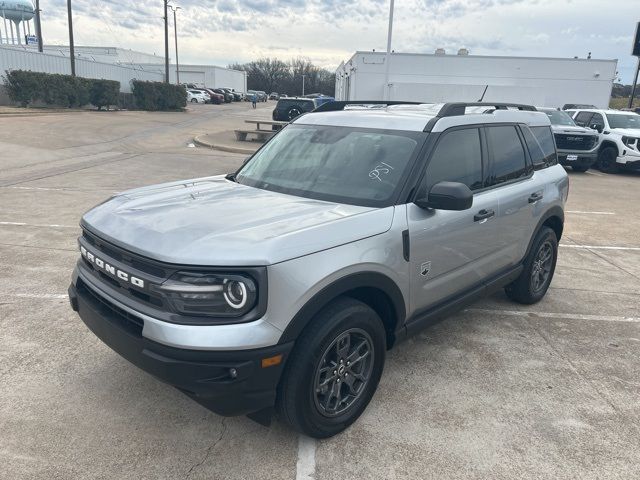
{"points": [[458, 108], [336, 106]]}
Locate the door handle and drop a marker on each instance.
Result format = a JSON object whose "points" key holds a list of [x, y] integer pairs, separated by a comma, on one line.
{"points": [[483, 215], [534, 197]]}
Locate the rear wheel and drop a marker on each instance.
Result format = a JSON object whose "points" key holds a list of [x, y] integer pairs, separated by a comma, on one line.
{"points": [[539, 266], [194, 100], [607, 160], [334, 369]]}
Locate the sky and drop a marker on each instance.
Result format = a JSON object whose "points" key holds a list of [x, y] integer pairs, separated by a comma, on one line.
{"points": [[327, 32]]}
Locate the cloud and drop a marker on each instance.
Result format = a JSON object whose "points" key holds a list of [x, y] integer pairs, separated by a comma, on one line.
{"points": [[329, 31]]}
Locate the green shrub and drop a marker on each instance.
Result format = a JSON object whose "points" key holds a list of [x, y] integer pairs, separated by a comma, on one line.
{"points": [[159, 96], [104, 93], [23, 86], [55, 89]]}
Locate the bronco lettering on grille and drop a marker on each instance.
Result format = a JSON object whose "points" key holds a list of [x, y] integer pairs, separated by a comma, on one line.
{"points": [[105, 267]]}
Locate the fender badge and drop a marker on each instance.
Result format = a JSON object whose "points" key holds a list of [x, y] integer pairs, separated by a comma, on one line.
{"points": [[425, 268]]}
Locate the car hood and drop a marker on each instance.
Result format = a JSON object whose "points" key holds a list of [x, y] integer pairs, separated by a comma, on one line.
{"points": [[217, 222], [629, 132], [571, 129]]}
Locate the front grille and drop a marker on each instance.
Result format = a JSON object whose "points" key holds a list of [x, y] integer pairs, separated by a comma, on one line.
{"points": [[573, 142], [111, 312], [134, 261]]}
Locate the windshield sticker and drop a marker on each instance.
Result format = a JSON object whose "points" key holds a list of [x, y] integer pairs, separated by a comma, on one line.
{"points": [[381, 169]]}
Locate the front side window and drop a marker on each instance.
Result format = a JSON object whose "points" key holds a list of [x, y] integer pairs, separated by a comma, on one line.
{"points": [[508, 159], [339, 164], [457, 158], [619, 120], [597, 121], [583, 118]]}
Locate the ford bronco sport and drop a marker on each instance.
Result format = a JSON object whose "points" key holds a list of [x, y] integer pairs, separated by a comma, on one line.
{"points": [[280, 287]]}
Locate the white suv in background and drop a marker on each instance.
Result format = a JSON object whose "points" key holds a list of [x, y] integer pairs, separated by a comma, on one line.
{"points": [[197, 96], [619, 137]]}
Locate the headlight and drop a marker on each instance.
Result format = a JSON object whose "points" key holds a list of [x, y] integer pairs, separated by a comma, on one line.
{"points": [[631, 142], [210, 294]]}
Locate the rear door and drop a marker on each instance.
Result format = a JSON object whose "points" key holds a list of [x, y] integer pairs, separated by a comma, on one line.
{"points": [[512, 178], [451, 251]]}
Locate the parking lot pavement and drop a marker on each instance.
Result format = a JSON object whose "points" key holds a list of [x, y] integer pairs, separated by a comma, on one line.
{"points": [[496, 391]]}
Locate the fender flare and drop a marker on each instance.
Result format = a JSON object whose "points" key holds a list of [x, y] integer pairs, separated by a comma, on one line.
{"points": [[555, 211], [339, 287]]}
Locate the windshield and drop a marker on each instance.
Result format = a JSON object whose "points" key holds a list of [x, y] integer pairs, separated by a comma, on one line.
{"points": [[619, 120], [345, 165], [557, 117]]}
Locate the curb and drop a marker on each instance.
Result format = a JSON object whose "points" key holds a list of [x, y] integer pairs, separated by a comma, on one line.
{"points": [[223, 148]]}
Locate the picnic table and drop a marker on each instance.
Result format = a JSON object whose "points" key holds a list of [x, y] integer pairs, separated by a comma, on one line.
{"points": [[260, 133]]}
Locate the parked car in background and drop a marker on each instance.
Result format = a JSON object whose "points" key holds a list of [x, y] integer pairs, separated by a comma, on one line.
{"points": [[262, 96], [205, 93], [291, 107], [274, 96], [216, 98], [619, 134], [237, 96], [577, 146], [228, 97], [196, 96]]}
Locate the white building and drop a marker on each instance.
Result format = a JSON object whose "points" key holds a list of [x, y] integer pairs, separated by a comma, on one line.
{"points": [[435, 78], [113, 63]]}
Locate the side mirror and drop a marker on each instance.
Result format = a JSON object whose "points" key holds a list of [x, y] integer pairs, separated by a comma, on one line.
{"points": [[596, 127], [447, 196]]}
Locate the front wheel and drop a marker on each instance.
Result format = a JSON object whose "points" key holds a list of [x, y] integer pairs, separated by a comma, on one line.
{"points": [[194, 100], [539, 266], [334, 369], [607, 160]]}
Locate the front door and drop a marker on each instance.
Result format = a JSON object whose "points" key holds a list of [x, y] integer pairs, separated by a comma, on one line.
{"points": [[451, 251]]}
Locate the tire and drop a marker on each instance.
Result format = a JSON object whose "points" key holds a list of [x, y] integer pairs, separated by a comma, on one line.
{"points": [[194, 100], [581, 168], [302, 402], [293, 112], [534, 281], [607, 160]]}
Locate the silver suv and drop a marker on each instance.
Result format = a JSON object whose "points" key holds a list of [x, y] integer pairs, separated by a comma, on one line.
{"points": [[283, 285]]}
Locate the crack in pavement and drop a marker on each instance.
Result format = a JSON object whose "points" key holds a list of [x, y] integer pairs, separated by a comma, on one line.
{"points": [[209, 450]]}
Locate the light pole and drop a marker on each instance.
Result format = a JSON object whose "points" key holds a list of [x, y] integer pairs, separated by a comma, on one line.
{"points": [[303, 75], [38, 27], [71, 49], [387, 59], [175, 32], [166, 43]]}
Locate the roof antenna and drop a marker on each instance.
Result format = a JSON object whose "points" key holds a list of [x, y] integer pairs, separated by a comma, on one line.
{"points": [[485, 91]]}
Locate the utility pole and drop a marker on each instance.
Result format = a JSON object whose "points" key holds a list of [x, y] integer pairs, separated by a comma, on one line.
{"points": [[38, 27], [633, 87], [303, 75], [71, 50], [166, 43], [175, 31], [387, 58]]}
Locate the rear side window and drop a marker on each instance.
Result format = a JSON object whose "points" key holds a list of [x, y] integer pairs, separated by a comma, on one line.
{"points": [[583, 118], [545, 141], [457, 158], [596, 120], [507, 153]]}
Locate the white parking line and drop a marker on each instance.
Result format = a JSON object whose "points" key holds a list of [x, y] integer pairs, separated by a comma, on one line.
{"points": [[306, 465], [600, 247], [590, 213], [36, 295], [596, 174], [23, 224], [566, 316]]}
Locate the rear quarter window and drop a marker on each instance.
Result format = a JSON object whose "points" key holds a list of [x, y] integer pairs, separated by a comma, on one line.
{"points": [[546, 143]]}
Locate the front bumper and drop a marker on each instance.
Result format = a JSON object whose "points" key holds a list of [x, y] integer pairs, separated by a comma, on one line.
{"points": [[584, 159], [226, 382], [630, 161]]}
